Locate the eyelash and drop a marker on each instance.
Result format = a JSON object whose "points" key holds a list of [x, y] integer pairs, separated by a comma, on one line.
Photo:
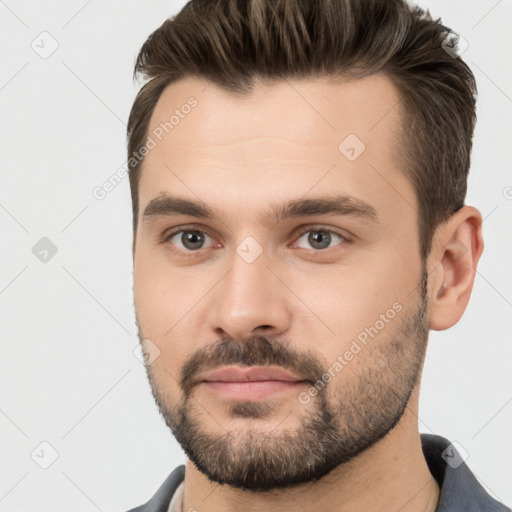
{"points": [[306, 229]]}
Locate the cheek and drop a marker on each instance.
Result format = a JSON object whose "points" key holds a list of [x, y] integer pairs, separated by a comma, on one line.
{"points": [[344, 301], [166, 300], [164, 378], [163, 294]]}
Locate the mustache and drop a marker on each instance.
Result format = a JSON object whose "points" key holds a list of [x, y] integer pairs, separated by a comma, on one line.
{"points": [[254, 351]]}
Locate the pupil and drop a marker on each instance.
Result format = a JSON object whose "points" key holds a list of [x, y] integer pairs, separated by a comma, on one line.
{"points": [[192, 239], [319, 239]]}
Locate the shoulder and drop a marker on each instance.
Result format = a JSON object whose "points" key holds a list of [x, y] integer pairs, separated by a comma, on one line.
{"points": [[460, 490], [160, 501]]}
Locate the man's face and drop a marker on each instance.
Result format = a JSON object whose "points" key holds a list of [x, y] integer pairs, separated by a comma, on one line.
{"points": [[334, 296]]}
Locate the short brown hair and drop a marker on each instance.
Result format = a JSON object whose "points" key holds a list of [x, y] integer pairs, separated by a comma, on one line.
{"points": [[231, 42]]}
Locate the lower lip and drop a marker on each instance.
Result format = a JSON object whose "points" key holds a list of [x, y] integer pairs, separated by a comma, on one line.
{"points": [[255, 390]]}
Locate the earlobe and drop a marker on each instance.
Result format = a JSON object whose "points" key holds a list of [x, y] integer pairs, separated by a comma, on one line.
{"points": [[456, 250]]}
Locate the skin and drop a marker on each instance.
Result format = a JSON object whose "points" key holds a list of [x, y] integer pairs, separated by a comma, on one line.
{"points": [[240, 156]]}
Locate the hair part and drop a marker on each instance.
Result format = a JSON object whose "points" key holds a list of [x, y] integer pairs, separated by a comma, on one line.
{"points": [[231, 43]]}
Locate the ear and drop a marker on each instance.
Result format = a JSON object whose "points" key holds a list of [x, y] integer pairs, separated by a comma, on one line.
{"points": [[456, 249]]}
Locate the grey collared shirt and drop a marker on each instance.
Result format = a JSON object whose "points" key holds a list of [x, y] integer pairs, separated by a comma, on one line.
{"points": [[460, 491]]}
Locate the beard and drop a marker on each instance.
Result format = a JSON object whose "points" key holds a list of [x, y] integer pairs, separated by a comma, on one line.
{"points": [[338, 424]]}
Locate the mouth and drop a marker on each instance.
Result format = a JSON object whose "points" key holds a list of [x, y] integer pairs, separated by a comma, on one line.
{"points": [[254, 383]]}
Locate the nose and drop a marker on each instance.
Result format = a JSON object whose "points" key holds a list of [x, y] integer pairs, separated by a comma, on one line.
{"points": [[248, 301]]}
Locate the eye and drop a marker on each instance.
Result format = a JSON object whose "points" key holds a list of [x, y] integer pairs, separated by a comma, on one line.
{"points": [[190, 240], [319, 239]]}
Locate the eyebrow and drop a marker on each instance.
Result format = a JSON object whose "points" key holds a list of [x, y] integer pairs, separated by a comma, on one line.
{"points": [[167, 206]]}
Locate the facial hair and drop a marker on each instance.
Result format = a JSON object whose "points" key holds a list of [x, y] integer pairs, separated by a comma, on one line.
{"points": [[338, 424]]}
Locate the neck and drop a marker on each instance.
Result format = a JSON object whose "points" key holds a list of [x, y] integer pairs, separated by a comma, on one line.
{"points": [[390, 475]]}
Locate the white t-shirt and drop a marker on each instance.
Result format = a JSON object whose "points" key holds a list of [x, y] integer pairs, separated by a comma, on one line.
{"points": [[176, 503]]}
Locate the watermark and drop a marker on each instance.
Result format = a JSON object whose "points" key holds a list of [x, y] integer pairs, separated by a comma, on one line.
{"points": [[146, 352], [45, 45], [356, 346], [44, 455], [44, 250], [351, 147], [454, 44], [455, 454], [249, 249], [100, 192], [174, 120]]}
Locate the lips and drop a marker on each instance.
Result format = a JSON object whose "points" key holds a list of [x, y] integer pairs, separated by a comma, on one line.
{"points": [[256, 383], [252, 374]]}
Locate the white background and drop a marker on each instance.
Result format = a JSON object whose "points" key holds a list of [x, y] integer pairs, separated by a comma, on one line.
{"points": [[69, 375]]}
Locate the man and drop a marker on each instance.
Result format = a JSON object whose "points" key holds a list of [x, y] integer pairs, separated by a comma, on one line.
{"points": [[298, 174]]}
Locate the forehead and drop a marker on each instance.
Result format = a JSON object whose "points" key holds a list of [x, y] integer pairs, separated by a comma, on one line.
{"points": [[301, 110], [283, 137]]}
